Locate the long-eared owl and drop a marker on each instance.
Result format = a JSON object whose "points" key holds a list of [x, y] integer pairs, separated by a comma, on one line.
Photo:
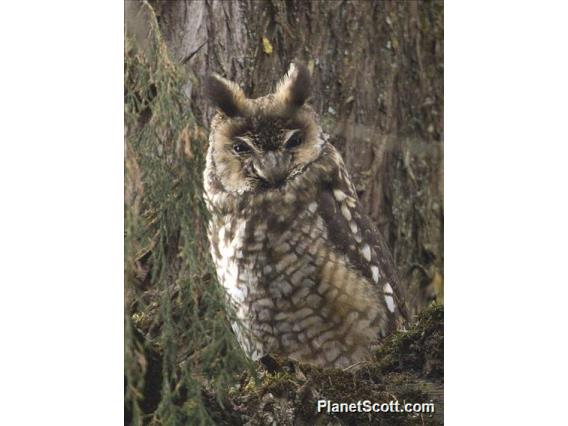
{"points": [[309, 276]]}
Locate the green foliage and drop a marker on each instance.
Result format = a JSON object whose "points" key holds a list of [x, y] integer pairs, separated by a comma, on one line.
{"points": [[178, 340]]}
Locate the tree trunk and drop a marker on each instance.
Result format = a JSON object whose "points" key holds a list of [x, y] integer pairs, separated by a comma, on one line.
{"points": [[377, 70]]}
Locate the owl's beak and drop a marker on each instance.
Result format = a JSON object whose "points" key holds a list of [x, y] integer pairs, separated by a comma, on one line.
{"points": [[273, 167]]}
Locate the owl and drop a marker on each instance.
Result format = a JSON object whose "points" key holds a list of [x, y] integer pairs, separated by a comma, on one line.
{"points": [[308, 275]]}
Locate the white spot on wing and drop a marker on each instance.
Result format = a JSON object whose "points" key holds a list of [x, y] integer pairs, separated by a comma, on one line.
{"points": [[366, 252], [375, 272], [353, 227], [387, 289], [313, 207], [390, 303], [339, 195], [345, 211], [351, 202]]}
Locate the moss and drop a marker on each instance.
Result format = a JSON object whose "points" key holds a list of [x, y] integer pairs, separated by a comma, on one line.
{"points": [[420, 349], [279, 384], [408, 368]]}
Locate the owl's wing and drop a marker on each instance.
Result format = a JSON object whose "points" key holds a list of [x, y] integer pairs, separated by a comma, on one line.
{"points": [[352, 233]]}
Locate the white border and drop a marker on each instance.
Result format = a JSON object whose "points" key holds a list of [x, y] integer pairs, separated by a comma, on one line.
{"points": [[506, 212], [61, 178]]}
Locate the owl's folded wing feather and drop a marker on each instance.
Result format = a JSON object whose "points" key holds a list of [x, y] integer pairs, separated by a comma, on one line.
{"points": [[351, 231]]}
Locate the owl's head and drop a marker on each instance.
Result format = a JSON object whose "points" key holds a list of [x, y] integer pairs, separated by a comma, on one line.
{"points": [[261, 144]]}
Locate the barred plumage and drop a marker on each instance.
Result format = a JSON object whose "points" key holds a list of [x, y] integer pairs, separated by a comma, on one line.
{"points": [[308, 274]]}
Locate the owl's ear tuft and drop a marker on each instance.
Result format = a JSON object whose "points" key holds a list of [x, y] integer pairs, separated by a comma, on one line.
{"points": [[226, 95], [295, 88]]}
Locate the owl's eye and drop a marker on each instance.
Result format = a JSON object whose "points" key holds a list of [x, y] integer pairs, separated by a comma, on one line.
{"points": [[294, 141], [241, 148]]}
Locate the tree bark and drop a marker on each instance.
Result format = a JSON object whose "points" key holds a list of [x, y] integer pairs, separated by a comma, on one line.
{"points": [[377, 70]]}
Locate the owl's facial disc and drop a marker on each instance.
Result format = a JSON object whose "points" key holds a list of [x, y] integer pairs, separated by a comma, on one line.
{"points": [[265, 152]]}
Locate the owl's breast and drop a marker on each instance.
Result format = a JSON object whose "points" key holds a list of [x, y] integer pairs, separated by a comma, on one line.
{"points": [[253, 254]]}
